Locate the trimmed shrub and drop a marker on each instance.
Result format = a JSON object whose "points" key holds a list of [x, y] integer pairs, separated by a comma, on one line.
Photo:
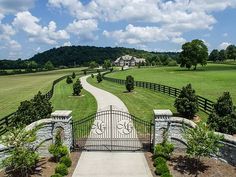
{"points": [[129, 83], [69, 80], [66, 160], [61, 169], [77, 87], [159, 160], [73, 75], [57, 175], [163, 150], [161, 167], [99, 77], [85, 72], [187, 102], [92, 75]]}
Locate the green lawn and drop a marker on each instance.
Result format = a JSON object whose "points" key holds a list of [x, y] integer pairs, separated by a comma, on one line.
{"points": [[209, 81], [142, 102], [81, 106], [17, 88]]}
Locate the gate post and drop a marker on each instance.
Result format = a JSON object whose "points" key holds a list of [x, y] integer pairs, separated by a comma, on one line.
{"points": [[161, 123], [63, 120]]}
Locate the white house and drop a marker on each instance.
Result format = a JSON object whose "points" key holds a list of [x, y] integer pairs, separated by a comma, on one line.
{"points": [[128, 60]]}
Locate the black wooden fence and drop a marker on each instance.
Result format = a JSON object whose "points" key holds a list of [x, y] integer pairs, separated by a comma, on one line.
{"points": [[8, 121], [204, 104]]}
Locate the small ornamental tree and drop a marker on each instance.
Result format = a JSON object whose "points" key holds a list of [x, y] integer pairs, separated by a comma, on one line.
{"points": [[85, 72], [99, 77], [92, 75], [73, 75], [129, 83], [22, 158], [77, 87], [58, 150], [223, 116], [186, 103], [69, 80], [201, 143]]}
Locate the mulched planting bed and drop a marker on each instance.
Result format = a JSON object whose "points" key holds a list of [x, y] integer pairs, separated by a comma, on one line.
{"points": [[48, 167], [182, 166]]}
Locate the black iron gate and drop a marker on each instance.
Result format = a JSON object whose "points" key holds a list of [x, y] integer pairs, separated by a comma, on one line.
{"points": [[112, 130]]}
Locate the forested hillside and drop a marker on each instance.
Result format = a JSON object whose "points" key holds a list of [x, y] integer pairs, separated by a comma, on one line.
{"points": [[81, 55], [71, 56]]}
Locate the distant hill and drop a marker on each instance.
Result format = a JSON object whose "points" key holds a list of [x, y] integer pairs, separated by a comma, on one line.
{"points": [[82, 55]]}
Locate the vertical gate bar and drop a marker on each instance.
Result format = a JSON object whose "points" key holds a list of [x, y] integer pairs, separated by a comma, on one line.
{"points": [[111, 124], [73, 136], [150, 136]]}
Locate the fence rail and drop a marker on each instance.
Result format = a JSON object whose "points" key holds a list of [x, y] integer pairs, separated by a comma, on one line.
{"points": [[8, 121], [204, 104]]}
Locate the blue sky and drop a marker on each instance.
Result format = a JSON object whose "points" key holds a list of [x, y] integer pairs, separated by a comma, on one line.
{"points": [[31, 26]]}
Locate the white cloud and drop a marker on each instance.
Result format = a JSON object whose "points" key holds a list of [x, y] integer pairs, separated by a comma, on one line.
{"points": [[177, 16], [83, 28], [13, 6], [37, 33], [67, 44], [141, 35], [224, 45]]}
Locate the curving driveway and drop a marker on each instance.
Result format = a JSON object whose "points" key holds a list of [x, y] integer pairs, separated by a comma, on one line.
{"points": [[110, 164]]}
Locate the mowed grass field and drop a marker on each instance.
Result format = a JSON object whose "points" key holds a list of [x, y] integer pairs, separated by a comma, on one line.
{"points": [[17, 88], [81, 106], [141, 102], [209, 81]]}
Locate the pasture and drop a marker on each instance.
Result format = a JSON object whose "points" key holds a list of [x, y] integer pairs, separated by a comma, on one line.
{"points": [[209, 81], [17, 88]]}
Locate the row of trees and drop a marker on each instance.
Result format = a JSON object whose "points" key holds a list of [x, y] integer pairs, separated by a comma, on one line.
{"points": [[222, 55]]}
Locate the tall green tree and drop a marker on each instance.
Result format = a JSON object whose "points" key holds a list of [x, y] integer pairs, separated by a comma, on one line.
{"points": [[187, 103], [193, 53], [223, 117], [93, 64], [129, 83], [48, 65], [214, 55], [107, 64], [222, 55], [231, 52], [201, 143]]}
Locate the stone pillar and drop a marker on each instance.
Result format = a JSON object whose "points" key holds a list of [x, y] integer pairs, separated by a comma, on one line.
{"points": [[161, 123], [63, 120]]}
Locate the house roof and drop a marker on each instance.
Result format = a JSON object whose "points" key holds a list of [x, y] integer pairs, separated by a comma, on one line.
{"points": [[128, 57]]}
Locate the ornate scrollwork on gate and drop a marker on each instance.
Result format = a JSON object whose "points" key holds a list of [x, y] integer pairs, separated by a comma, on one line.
{"points": [[98, 127], [125, 127]]}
